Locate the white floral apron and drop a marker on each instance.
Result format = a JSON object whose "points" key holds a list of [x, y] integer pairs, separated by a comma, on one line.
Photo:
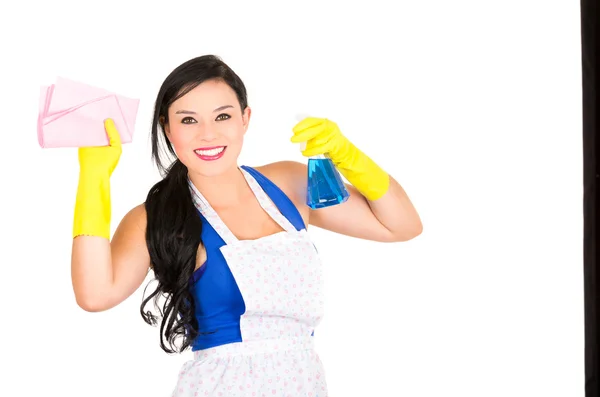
{"points": [[280, 278]]}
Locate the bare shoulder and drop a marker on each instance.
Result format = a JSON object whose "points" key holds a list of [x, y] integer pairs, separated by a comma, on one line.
{"points": [[131, 230], [136, 217], [129, 239], [290, 177]]}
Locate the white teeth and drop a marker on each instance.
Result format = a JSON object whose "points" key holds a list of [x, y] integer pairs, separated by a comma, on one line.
{"points": [[211, 152]]}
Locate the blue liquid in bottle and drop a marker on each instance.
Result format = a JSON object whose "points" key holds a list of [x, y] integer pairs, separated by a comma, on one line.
{"points": [[325, 185]]}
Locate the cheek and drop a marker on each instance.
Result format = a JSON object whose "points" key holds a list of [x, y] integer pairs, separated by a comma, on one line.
{"points": [[179, 139], [234, 133]]}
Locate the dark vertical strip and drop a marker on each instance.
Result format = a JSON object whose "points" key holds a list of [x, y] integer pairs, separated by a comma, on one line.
{"points": [[589, 55]]}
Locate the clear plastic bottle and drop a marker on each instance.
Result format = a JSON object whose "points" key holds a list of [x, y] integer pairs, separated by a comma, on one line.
{"points": [[325, 186]]}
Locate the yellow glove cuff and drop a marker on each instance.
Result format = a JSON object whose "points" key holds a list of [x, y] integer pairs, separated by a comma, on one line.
{"points": [[362, 172], [92, 207]]}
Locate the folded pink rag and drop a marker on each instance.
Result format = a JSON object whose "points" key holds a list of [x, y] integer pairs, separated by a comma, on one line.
{"points": [[72, 114]]}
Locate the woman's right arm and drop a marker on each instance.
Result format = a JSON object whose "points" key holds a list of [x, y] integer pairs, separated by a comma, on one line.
{"points": [[105, 273]]}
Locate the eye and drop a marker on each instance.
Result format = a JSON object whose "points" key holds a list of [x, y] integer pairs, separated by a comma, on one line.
{"points": [[223, 116], [188, 120]]}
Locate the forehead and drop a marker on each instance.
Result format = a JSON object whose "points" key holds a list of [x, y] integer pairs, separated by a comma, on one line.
{"points": [[206, 97]]}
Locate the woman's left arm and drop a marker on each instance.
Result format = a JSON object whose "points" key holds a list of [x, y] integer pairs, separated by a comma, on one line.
{"points": [[378, 208], [391, 218]]}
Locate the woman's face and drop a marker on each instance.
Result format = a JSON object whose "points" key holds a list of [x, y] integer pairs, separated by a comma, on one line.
{"points": [[206, 128]]}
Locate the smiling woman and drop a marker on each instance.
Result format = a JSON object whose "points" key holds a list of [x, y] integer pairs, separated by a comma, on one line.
{"points": [[228, 244], [212, 152]]}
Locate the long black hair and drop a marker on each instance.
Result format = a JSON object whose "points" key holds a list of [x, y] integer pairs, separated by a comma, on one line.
{"points": [[174, 227]]}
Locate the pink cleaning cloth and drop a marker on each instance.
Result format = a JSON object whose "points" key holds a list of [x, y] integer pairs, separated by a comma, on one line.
{"points": [[72, 114]]}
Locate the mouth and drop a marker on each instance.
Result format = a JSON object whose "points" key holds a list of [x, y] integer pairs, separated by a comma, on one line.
{"points": [[210, 153]]}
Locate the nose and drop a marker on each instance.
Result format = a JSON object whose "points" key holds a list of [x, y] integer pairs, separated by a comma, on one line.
{"points": [[206, 132]]}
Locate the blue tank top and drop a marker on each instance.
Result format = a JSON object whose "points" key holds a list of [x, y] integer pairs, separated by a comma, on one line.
{"points": [[219, 302]]}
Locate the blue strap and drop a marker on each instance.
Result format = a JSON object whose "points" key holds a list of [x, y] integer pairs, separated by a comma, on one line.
{"points": [[281, 200]]}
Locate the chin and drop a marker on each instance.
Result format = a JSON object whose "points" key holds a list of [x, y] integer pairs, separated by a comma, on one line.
{"points": [[211, 172]]}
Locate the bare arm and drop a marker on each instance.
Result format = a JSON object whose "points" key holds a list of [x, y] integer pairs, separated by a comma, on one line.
{"points": [[105, 273], [392, 218]]}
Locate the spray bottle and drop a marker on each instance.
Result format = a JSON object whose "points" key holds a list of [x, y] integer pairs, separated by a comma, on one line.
{"points": [[325, 186]]}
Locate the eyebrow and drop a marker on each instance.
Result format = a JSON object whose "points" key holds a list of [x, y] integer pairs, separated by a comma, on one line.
{"points": [[216, 110]]}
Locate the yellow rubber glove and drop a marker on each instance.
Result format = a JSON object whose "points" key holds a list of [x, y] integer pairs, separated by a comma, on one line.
{"points": [[92, 205], [322, 136]]}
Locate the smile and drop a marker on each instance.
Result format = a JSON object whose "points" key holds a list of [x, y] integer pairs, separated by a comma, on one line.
{"points": [[210, 153]]}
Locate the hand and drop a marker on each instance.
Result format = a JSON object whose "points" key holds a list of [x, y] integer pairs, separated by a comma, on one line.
{"points": [[102, 159], [92, 205], [323, 136]]}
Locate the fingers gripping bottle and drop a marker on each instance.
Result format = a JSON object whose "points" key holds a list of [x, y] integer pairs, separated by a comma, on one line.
{"points": [[325, 186]]}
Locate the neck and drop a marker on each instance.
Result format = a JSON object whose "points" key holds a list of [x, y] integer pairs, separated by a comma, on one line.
{"points": [[224, 190]]}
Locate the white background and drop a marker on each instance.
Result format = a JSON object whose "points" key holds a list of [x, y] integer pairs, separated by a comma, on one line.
{"points": [[474, 106]]}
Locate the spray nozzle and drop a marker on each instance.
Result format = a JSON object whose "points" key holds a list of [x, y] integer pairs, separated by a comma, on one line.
{"points": [[299, 118]]}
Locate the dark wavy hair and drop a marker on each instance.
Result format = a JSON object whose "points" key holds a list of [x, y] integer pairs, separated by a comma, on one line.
{"points": [[174, 227]]}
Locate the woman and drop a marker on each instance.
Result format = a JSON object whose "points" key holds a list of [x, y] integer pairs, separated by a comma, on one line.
{"points": [[227, 244]]}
